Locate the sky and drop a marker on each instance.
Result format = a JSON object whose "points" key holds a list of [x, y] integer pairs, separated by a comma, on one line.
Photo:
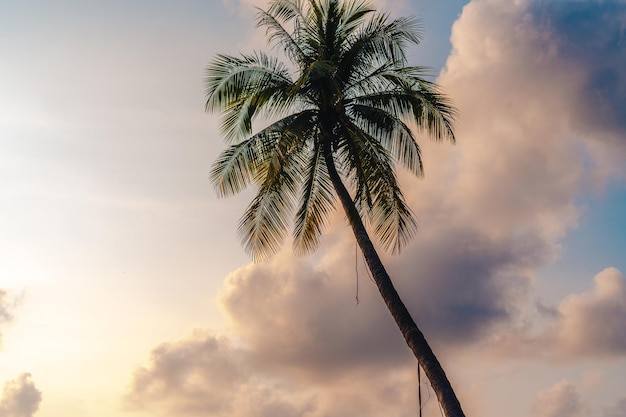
{"points": [[124, 290]]}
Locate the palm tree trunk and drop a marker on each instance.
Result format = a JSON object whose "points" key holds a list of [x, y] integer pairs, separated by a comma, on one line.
{"points": [[412, 334]]}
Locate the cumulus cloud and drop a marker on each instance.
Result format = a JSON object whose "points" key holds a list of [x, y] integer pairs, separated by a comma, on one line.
{"points": [[559, 400], [211, 374], [494, 209], [206, 374], [591, 36], [588, 325], [20, 397], [590, 40], [593, 323], [301, 316]]}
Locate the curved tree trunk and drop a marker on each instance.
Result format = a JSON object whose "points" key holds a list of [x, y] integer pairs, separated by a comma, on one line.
{"points": [[412, 334]]}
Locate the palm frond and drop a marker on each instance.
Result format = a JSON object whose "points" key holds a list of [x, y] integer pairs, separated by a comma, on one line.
{"points": [[234, 168], [383, 203], [392, 133], [246, 162], [241, 87], [266, 220], [353, 14], [430, 110], [316, 203], [287, 10], [352, 95], [277, 33]]}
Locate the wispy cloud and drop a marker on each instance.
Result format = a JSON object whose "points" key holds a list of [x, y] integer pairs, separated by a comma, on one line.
{"points": [[6, 306]]}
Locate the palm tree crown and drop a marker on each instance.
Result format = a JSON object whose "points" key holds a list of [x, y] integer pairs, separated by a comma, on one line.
{"points": [[343, 107]]}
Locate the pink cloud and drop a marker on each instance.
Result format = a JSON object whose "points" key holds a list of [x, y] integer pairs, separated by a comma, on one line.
{"points": [[583, 326], [562, 399]]}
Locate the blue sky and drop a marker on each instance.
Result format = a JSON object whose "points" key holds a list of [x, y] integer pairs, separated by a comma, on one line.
{"points": [[124, 290]]}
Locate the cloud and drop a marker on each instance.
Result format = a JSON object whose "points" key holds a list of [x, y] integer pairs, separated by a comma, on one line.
{"points": [[201, 375], [489, 276], [494, 208], [20, 397], [592, 36], [301, 316], [593, 323], [583, 326], [589, 37], [618, 410], [5, 307], [209, 374], [559, 400]]}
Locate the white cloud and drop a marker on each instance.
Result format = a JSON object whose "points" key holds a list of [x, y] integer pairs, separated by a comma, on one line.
{"points": [[559, 400], [20, 397]]}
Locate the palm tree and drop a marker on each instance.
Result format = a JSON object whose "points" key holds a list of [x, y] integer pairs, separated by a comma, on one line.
{"points": [[340, 122]]}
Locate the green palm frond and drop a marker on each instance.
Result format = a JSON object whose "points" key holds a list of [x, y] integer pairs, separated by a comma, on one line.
{"points": [[278, 34], [393, 134], [246, 162], [234, 168], [381, 41], [429, 110], [350, 102], [316, 203], [352, 17], [241, 87], [381, 201], [287, 9], [266, 221]]}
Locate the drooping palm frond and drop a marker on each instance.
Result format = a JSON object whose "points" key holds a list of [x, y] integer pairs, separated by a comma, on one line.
{"points": [[241, 87], [266, 220], [379, 197], [392, 133], [352, 95], [378, 43], [246, 162], [316, 203], [429, 110], [278, 34]]}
